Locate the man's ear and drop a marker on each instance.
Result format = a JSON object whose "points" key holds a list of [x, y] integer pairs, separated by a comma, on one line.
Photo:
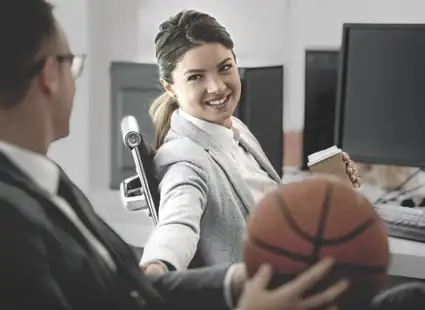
{"points": [[48, 78], [168, 87]]}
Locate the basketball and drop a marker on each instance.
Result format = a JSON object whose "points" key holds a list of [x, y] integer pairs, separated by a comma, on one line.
{"points": [[296, 225]]}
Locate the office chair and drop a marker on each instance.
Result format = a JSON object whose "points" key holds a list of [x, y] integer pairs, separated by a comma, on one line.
{"points": [[139, 192]]}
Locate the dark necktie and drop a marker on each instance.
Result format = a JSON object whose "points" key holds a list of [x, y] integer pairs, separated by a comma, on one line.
{"points": [[127, 273], [65, 191], [123, 277], [94, 241]]}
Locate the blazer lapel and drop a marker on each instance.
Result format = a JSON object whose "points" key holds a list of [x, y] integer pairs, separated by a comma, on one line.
{"points": [[261, 159], [185, 128], [235, 178], [119, 250], [86, 213], [8, 167]]}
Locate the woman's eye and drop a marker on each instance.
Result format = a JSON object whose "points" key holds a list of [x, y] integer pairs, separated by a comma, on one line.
{"points": [[226, 67], [194, 77]]}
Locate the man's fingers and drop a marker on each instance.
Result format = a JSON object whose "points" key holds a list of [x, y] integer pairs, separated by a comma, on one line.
{"points": [[326, 297], [153, 270], [311, 276], [263, 276]]}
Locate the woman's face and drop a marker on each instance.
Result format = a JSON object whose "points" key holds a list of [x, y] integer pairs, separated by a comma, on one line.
{"points": [[206, 83]]}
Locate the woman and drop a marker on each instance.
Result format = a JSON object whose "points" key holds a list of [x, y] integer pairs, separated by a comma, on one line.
{"points": [[212, 169]]}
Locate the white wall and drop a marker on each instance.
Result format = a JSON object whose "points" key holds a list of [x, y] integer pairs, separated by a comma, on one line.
{"points": [[257, 28], [105, 30], [114, 33], [72, 153], [265, 32]]}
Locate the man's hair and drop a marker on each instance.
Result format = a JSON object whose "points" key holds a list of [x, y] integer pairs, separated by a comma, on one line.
{"points": [[25, 28]]}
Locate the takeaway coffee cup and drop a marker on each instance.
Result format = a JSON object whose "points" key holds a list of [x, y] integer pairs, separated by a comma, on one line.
{"points": [[329, 161]]}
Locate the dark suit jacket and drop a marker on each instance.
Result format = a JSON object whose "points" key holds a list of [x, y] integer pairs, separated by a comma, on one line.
{"points": [[46, 263]]}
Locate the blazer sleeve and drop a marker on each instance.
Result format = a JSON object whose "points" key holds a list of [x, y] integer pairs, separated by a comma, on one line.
{"points": [[183, 191], [194, 288], [25, 278]]}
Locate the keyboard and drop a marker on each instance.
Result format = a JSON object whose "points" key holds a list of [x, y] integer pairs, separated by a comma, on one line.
{"points": [[402, 222]]}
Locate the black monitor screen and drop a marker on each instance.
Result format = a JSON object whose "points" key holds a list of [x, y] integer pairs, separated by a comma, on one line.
{"points": [[381, 94], [321, 76]]}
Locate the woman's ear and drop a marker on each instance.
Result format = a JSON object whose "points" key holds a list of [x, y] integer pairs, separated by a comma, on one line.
{"points": [[168, 87]]}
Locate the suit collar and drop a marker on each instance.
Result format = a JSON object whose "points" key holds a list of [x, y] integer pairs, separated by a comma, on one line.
{"points": [[32, 166], [185, 128], [225, 137], [10, 169], [6, 165], [110, 239]]}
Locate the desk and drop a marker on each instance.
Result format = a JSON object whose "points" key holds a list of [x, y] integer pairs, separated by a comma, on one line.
{"points": [[407, 257]]}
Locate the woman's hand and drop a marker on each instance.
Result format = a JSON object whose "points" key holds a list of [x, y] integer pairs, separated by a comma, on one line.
{"points": [[351, 170], [289, 296]]}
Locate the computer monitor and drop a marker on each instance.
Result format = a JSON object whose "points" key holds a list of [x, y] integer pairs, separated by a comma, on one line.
{"points": [[321, 76], [381, 94], [261, 109]]}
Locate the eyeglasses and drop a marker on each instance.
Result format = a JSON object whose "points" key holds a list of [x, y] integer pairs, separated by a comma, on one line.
{"points": [[77, 64]]}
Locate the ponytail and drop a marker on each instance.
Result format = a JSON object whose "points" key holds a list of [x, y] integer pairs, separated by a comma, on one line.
{"points": [[160, 112]]}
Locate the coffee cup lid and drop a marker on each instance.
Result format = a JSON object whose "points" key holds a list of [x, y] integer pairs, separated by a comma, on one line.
{"points": [[321, 155]]}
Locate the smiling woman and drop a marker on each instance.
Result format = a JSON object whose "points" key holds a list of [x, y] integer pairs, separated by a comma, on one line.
{"points": [[212, 170], [206, 83], [197, 69]]}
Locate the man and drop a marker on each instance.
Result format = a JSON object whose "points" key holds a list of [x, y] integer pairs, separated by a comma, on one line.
{"points": [[55, 252]]}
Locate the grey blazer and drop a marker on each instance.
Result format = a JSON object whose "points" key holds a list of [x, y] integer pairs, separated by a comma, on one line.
{"points": [[205, 201]]}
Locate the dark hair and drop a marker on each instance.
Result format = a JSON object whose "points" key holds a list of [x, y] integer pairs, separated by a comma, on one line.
{"points": [[180, 33], [25, 28]]}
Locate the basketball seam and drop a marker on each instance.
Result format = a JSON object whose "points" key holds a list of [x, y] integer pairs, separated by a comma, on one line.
{"points": [[325, 208], [360, 229], [290, 220], [318, 241], [286, 212], [310, 260]]}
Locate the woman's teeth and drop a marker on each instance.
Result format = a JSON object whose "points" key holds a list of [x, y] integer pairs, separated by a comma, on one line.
{"points": [[217, 102]]}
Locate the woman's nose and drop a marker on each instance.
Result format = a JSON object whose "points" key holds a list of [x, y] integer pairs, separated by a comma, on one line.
{"points": [[216, 86]]}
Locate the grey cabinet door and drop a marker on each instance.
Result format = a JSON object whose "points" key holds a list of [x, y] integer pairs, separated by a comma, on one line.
{"points": [[134, 86]]}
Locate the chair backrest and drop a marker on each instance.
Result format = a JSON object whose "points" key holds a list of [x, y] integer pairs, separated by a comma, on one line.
{"points": [[147, 154]]}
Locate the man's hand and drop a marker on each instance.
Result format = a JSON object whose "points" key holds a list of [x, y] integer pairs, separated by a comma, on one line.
{"points": [[154, 268], [290, 296], [239, 279]]}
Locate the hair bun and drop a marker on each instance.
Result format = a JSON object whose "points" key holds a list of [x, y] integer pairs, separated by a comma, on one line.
{"points": [[166, 26]]}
